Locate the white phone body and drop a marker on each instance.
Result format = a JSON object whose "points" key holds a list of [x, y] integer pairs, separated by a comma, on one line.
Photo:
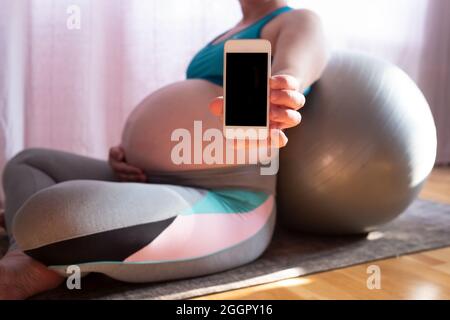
{"points": [[238, 131]]}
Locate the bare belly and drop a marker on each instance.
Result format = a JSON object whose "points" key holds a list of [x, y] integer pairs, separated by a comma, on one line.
{"points": [[147, 135]]}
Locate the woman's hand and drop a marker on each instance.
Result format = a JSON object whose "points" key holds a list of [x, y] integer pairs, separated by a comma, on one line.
{"points": [[285, 101], [124, 171]]}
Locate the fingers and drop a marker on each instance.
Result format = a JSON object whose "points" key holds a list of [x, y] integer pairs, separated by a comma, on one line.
{"points": [[131, 177], [278, 138], [128, 173], [124, 171], [125, 168], [284, 82], [287, 118], [285, 99], [288, 98], [216, 106], [117, 153]]}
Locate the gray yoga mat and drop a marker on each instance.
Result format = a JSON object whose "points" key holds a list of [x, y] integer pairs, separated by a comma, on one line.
{"points": [[424, 225]]}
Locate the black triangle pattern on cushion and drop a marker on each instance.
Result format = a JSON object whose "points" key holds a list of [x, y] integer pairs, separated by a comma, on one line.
{"points": [[111, 245]]}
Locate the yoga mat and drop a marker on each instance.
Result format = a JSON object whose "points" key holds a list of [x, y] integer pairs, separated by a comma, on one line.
{"points": [[424, 225]]}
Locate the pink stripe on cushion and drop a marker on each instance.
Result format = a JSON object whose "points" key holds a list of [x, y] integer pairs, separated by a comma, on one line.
{"points": [[197, 235]]}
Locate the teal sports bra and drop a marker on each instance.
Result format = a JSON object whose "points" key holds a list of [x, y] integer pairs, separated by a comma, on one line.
{"points": [[207, 64]]}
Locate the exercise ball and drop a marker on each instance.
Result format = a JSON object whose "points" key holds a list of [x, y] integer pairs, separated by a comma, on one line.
{"points": [[366, 144]]}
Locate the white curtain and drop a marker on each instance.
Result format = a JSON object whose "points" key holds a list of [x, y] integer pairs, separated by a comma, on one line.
{"points": [[71, 88]]}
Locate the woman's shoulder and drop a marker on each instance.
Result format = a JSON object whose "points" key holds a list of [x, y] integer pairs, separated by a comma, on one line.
{"points": [[296, 18]]}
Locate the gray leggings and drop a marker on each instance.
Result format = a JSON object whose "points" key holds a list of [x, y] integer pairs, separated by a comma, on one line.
{"points": [[64, 209]]}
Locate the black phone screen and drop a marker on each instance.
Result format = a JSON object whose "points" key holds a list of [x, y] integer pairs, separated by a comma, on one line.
{"points": [[246, 89]]}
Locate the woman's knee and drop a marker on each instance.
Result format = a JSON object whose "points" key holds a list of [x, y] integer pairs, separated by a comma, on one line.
{"points": [[24, 157], [49, 212]]}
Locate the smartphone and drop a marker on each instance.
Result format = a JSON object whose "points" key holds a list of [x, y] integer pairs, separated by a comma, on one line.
{"points": [[246, 88]]}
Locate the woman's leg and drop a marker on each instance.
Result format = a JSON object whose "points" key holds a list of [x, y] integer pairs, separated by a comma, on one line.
{"points": [[135, 232], [27, 173], [35, 169], [144, 232]]}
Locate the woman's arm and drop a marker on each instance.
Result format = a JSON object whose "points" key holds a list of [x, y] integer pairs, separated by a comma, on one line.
{"points": [[300, 48], [300, 55]]}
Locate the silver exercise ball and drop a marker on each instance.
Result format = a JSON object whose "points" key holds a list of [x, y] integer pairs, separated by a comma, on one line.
{"points": [[365, 146]]}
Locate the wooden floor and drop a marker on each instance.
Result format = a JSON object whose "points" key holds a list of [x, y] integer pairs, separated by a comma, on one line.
{"points": [[425, 275]]}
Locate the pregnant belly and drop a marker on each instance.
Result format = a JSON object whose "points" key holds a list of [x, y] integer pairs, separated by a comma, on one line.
{"points": [[148, 131]]}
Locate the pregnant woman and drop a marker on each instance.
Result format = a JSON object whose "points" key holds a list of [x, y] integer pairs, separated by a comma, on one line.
{"points": [[140, 216]]}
